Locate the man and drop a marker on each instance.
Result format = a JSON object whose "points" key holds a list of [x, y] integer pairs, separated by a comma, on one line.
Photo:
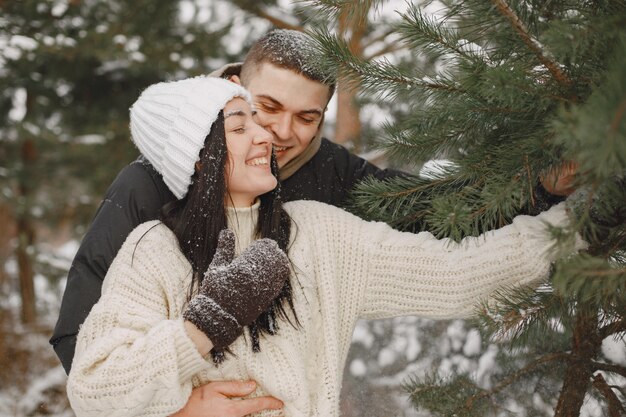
{"points": [[290, 98]]}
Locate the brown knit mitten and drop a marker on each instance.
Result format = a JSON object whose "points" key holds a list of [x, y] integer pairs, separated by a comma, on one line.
{"points": [[235, 292]]}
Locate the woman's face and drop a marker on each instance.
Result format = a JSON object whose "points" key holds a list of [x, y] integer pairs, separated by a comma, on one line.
{"points": [[248, 172]]}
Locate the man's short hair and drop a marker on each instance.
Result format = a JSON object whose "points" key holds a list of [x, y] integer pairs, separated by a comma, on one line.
{"points": [[288, 49]]}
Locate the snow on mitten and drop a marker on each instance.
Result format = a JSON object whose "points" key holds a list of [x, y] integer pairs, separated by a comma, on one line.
{"points": [[235, 292]]}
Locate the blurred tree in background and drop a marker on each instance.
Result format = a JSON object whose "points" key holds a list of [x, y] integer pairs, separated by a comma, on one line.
{"points": [[69, 72], [522, 86]]}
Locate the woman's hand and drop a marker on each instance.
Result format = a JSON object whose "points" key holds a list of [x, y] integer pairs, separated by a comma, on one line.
{"points": [[225, 399], [236, 290]]}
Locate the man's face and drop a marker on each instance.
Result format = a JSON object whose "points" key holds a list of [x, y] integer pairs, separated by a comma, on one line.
{"points": [[289, 106]]}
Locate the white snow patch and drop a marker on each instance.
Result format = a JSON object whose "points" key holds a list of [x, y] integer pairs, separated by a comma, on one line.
{"points": [[12, 53], [59, 8], [48, 40], [472, 343], [23, 42], [18, 111], [133, 44], [463, 364], [413, 349], [120, 39], [77, 22], [34, 396], [63, 88], [32, 128], [514, 408], [137, 56], [540, 404], [65, 40], [68, 250], [386, 357], [186, 10], [456, 332], [110, 66], [358, 368], [362, 335], [615, 350], [375, 115], [591, 407], [91, 139], [556, 325], [187, 63], [435, 168], [486, 365]]}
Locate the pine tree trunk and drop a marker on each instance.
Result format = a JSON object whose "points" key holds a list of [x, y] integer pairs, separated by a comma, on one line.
{"points": [[25, 267], [26, 238], [348, 127], [578, 375], [348, 122]]}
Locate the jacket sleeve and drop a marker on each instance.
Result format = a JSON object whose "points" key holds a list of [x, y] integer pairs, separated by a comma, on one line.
{"points": [[352, 169], [417, 274], [136, 196], [133, 356]]}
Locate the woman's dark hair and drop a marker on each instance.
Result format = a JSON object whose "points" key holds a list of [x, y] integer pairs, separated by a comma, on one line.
{"points": [[198, 218]]}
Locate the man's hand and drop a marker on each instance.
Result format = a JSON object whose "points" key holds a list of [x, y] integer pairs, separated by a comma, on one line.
{"points": [[560, 180], [225, 399]]}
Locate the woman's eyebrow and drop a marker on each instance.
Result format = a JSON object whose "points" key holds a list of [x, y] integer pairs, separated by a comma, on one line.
{"points": [[234, 113]]}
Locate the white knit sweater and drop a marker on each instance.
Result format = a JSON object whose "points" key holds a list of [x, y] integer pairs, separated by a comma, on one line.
{"points": [[133, 357]]}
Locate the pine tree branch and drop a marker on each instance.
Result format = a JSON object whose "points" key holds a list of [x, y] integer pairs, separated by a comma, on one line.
{"points": [[517, 375], [534, 46], [366, 75], [615, 407], [617, 369], [355, 10], [615, 327], [605, 273], [424, 32]]}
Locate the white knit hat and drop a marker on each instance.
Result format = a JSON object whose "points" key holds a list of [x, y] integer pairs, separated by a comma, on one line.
{"points": [[170, 121]]}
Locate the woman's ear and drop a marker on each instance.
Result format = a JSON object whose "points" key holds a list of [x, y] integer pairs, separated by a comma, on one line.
{"points": [[198, 166]]}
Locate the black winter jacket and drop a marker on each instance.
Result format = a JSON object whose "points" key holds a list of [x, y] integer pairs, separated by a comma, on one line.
{"points": [[137, 195]]}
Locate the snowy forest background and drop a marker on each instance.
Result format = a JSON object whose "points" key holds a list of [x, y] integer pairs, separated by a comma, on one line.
{"points": [[69, 71]]}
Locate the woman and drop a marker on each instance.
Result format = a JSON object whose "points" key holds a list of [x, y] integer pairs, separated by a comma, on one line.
{"points": [[179, 289]]}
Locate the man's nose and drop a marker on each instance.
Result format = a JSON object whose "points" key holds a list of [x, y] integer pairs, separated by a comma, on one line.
{"points": [[282, 127]]}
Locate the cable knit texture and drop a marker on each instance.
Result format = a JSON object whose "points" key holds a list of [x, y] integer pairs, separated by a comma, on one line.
{"points": [[133, 357], [170, 121]]}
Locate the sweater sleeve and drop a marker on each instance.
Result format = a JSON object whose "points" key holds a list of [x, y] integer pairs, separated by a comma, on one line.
{"points": [[418, 274], [133, 356]]}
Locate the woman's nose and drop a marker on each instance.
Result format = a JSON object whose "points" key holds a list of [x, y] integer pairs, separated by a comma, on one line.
{"points": [[281, 126], [262, 136]]}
